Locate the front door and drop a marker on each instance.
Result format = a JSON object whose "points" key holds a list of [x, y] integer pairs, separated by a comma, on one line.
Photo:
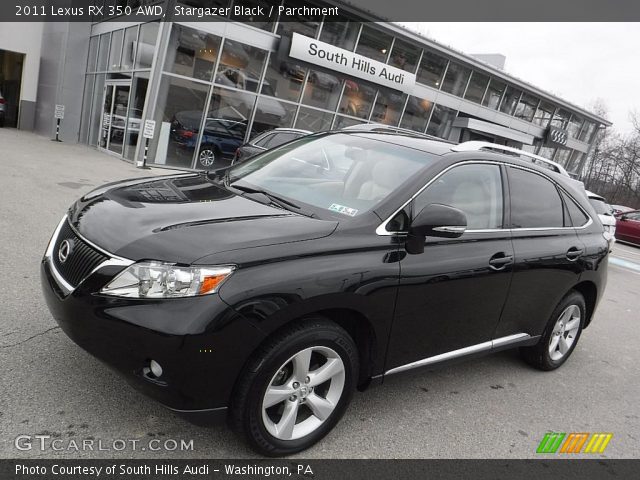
{"points": [[114, 116], [451, 296]]}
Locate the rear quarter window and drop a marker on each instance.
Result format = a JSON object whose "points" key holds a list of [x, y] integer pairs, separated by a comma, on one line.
{"points": [[535, 201]]}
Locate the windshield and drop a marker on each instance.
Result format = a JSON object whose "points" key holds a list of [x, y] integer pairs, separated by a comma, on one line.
{"points": [[343, 173], [601, 207]]}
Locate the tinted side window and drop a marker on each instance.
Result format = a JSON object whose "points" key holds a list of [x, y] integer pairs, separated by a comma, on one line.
{"points": [[262, 141], [577, 217], [474, 189], [535, 201], [280, 138]]}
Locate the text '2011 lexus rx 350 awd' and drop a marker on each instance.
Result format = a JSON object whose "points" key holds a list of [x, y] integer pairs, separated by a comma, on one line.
{"points": [[267, 292]]}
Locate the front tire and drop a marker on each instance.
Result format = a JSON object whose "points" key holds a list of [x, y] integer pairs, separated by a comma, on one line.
{"points": [[296, 388], [560, 336], [207, 156]]}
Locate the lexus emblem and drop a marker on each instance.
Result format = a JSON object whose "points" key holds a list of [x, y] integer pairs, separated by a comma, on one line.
{"points": [[64, 251]]}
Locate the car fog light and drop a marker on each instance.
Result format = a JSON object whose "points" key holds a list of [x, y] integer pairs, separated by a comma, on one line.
{"points": [[156, 369]]}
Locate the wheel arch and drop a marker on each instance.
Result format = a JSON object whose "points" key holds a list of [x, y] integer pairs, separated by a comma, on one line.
{"points": [[589, 291], [355, 323]]}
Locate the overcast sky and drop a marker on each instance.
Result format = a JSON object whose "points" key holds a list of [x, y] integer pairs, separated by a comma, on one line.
{"points": [[579, 62]]}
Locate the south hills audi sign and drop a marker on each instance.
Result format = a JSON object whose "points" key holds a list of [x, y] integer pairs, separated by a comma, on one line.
{"points": [[334, 58]]}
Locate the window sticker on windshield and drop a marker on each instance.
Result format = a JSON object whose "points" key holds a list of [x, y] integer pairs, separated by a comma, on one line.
{"points": [[342, 209]]}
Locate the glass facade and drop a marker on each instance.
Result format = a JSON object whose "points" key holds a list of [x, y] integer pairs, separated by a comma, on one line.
{"points": [[215, 93]]}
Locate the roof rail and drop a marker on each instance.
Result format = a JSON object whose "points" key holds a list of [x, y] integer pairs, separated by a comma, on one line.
{"points": [[381, 127], [476, 146]]}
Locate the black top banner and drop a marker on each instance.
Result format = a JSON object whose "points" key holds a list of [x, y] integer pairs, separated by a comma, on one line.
{"points": [[310, 10]]}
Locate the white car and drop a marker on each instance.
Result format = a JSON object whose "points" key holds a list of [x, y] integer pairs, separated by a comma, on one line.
{"points": [[605, 212]]}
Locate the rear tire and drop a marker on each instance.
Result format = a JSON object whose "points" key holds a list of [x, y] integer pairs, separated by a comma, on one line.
{"points": [[275, 387], [560, 336]]}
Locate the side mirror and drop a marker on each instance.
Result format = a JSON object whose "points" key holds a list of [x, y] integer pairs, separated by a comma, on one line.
{"points": [[623, 217], [435, 220]]}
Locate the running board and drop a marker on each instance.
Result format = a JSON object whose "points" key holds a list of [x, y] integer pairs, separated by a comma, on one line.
{"points": [[497, 344]]}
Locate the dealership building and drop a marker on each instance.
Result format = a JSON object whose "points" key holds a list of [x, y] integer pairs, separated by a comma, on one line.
{"points": [[210, 86]]}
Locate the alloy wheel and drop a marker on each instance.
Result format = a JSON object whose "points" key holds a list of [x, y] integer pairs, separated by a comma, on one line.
{"points": [[207, 157], [303, 393], [565, 332]]}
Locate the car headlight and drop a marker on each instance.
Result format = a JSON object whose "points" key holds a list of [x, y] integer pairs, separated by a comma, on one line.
{"points": [[165, 280]]}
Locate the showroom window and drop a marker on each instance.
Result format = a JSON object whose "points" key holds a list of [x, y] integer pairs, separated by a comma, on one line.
{"points": [[357, 99], [416, 114], [510, 100], [538, 203], [93, 54], [526, 108], [271, 113], [374, 44], [146, 45], [115, 51], [494, 94], [129, 48], [587, 131], [575, 162], [103, 52], [404, 56], [342, 122], [575, 125], [284, 79], [313, 120], [441, 121], [562, 156], [544, 114], [192, 53], [322, 90], [240, 66], [343, 34], [561, 118], [432, 68], [456, 78], [178, 115], [388, 107], [477, 86]]}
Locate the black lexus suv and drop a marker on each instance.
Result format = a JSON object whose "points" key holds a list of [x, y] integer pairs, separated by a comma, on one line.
{"points": [[267, 292]]}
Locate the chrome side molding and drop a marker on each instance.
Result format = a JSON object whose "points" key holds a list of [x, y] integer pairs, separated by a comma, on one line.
{"points": [[480, 347]]}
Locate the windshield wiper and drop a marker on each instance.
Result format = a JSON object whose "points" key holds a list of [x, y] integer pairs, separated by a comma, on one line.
{"points": [[282, 202]]}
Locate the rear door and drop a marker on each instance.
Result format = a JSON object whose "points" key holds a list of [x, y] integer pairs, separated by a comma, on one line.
{"points": [[547, 252]]}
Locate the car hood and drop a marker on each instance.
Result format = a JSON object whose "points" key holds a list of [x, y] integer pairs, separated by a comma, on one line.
{"points": [[184, 218]]}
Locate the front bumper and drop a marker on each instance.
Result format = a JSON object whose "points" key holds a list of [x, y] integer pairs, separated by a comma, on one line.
{"points": [[200, 342]]}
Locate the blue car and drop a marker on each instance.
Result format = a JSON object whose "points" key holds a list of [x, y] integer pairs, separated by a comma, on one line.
{"points": [[220, 139]]}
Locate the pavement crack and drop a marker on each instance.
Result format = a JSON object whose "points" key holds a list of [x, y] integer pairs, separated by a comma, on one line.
{"points": [[30, 338]]}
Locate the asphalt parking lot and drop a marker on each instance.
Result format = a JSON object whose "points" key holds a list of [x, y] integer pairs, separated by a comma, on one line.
{"points": [[495, 407]]}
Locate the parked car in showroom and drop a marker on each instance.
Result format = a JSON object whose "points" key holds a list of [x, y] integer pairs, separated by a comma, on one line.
{"points": [[605, 213], [3, 110], [220, 138], [264, 141], [628, 227], [273, 289]]}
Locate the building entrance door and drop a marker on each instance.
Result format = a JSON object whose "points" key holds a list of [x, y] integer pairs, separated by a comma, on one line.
{"points": [[115, 112]]}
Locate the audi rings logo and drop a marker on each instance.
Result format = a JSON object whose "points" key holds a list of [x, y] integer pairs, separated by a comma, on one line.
{"points": [[65, 250], [558, 136]]}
